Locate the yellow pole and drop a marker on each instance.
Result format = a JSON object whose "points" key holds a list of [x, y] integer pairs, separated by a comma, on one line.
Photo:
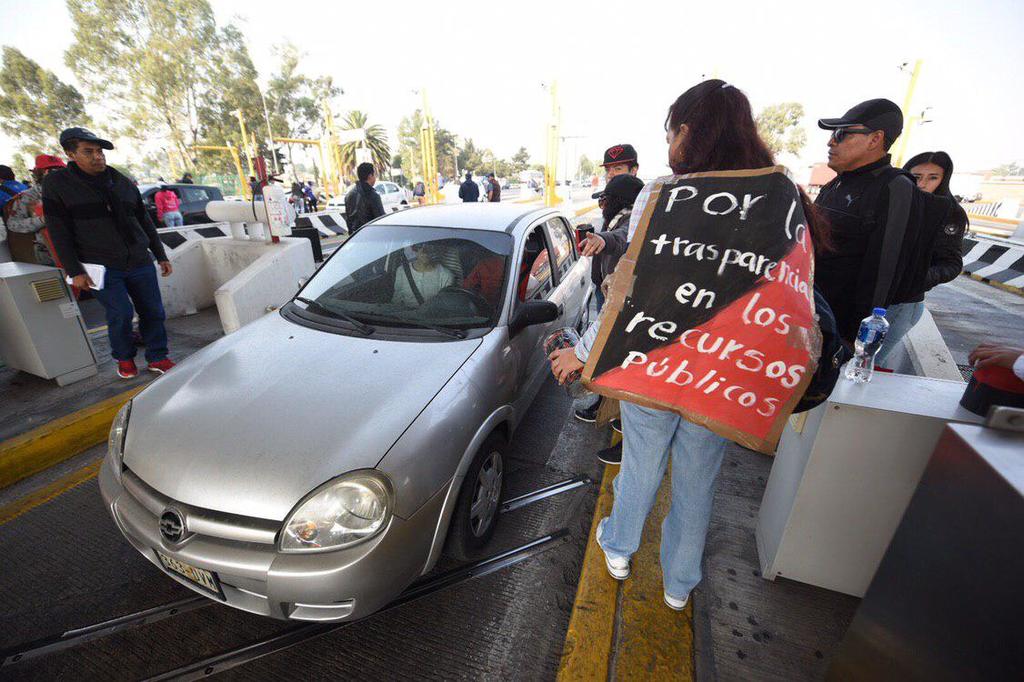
{"points": [[246, 190], [906, 107], [245, 139], [428, 148], [333, 152]]}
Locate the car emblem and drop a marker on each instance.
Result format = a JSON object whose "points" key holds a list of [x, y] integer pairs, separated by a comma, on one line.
{"points": [[172, 526]]}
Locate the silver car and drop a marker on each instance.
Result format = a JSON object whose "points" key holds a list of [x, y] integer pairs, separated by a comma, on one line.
{"points": [[313, 464]]}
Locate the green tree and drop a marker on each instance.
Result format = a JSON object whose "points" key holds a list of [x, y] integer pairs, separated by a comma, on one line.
{"points": [[1012, 169], [520, 160], [376, 141], [151, 61], [233, 81], [779, 127], [35, 105], [472, 158], [587, 167], [445, 143]]}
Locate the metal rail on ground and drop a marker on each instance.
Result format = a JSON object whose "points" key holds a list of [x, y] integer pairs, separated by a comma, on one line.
{"points": [[75, 637]]}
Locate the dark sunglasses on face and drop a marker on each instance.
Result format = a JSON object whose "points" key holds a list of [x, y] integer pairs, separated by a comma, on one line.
{"points": [[840, 134]]}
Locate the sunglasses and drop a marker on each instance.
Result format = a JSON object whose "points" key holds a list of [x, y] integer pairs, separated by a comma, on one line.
{"points": [[840, 134]]}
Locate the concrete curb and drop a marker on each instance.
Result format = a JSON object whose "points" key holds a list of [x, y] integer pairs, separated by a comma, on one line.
{"points": [[42, 447], [623, 630]]}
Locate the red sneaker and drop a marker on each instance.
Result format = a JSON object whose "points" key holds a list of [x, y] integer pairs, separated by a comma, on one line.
{"points": [[160, 366], [126, 369]]}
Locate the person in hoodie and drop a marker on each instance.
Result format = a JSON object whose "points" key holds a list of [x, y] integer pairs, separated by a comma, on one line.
{"points": [[932, 171]]}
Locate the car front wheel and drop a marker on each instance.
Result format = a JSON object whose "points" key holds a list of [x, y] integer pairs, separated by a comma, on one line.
{"points": [[476, 513]]}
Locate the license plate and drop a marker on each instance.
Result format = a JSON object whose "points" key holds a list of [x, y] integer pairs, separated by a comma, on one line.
{"points": [[199, 577]]}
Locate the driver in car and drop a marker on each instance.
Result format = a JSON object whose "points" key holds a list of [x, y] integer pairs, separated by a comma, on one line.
{"points": [[423, 278]]}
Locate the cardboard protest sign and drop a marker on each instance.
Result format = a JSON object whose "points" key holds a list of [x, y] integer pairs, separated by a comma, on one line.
{"points": [[711, 311]]}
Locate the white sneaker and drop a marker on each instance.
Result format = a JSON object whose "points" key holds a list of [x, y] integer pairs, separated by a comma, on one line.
{"points": [[618, 567], [676, 604]]}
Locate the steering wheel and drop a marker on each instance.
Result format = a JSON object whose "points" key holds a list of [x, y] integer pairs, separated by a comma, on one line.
{"points": [[482, 304]]}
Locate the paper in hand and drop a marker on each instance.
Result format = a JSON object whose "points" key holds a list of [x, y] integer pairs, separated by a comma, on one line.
{"points": [[96, 274]]}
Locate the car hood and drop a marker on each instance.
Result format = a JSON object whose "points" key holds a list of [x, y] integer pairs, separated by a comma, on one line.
{"points": [[255, 421]]}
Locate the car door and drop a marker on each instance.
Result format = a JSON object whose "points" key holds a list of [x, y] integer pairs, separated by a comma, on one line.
{"points": [[534, 281], [571, 272]]}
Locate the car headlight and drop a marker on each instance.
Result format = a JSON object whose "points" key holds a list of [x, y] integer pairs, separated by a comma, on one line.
{"points": [[343, 512], [115, 441]]}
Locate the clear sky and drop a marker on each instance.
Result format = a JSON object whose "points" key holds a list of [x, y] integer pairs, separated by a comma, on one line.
{"points": [[620, 64]]}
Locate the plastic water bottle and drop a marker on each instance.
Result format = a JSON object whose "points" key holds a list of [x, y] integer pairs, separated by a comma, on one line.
{"points": [[869, 339]]}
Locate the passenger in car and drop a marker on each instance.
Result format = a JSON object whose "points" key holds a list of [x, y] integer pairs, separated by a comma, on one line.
{"points": [[485, 277], [423, 278]]}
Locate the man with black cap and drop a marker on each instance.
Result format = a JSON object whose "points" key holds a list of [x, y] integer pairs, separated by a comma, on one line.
{"points": [[95, 215], [868, 206], [619, 159]]}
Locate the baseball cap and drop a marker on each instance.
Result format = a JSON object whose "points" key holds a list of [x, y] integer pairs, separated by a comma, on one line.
{"points": [[625, 187], [620, 153], [44, 161], [84, 135], [874, 114]]}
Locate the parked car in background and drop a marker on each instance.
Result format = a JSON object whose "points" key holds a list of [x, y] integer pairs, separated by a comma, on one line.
{"points": [[433, 323], [194, 199], [394, 197]]}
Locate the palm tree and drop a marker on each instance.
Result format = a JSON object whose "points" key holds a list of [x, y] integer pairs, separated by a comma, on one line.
{"points": [[376, 141]]}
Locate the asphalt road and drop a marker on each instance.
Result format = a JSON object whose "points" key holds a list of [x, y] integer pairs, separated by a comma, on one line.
{"points": [[65, 566]]}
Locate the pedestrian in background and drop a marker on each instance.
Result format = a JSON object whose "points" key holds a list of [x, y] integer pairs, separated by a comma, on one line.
{"points": [[469, 191], [95, 215], [311, 200], [932, 172], [186, 179], [168, 207], [868, 207], [710, 127], [25, 223], [419, 192], [493, 188], [362, 203], [298, 198]]}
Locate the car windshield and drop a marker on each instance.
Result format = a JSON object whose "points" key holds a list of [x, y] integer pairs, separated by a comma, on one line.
{"points": [[414, 277]]}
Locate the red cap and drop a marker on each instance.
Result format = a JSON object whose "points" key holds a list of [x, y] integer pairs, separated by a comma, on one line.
{"points": [[44, 161]]}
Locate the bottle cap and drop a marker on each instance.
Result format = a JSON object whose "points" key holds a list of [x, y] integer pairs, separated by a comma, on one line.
{"points": [[879, 311]]}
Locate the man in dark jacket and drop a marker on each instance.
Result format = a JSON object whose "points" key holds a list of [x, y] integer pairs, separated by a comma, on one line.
{"points": [[868, 207], [607, 246], [362, 203], [493, 188], [469, 191], [96, 216]]}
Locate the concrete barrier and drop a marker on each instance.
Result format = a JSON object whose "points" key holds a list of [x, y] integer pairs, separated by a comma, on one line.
{"points": [[264, 285], [995, 261], [327, 223], [242, 278]]}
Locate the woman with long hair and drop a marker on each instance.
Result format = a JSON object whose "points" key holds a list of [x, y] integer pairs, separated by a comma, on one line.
{"points": [[932, 172], [710, 127]]}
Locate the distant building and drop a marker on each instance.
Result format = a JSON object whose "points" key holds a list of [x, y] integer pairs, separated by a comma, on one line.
{"points": [[821, 175]]}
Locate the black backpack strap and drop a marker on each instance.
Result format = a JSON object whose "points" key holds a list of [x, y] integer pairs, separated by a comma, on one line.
{"points": [[901, 197]]}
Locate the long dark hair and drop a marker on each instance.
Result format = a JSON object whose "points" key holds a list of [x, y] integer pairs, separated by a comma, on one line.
{"points": [[722, 135], [940, 159]]}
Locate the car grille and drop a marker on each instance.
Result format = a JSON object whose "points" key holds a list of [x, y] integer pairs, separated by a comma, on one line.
{"points": [[205, 522]]}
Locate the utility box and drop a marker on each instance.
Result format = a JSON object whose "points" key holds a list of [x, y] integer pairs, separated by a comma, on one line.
{"points": [[41, 327], [843, 475]]}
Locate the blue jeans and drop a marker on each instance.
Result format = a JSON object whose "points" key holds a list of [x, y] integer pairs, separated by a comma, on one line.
{"points": [[648, 437], [122, 288], [902, 317], [173, 219]]}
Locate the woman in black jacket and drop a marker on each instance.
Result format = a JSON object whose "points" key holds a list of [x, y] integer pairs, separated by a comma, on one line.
{"points": [[933, 171]]}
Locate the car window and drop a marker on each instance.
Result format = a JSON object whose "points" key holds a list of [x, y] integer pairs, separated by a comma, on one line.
{"points": [[380, 188], [190, 195], [400, 276], [392, 188], [571, 235], [561, 246], [535, 278]]}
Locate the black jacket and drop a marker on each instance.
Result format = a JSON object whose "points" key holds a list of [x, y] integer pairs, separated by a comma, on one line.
{"points": [[615, 235], [947, 260], [849, 274], [469, 191], [86, 227], [362, 204]]}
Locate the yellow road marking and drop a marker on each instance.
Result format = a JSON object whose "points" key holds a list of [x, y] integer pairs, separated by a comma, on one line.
{"points": [[15, 509], [655, 642], [997, 285], [60, 439], [589, 639]]}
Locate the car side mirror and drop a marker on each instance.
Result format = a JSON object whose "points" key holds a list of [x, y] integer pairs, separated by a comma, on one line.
{"points": [[302, 281], [531, 313]]}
